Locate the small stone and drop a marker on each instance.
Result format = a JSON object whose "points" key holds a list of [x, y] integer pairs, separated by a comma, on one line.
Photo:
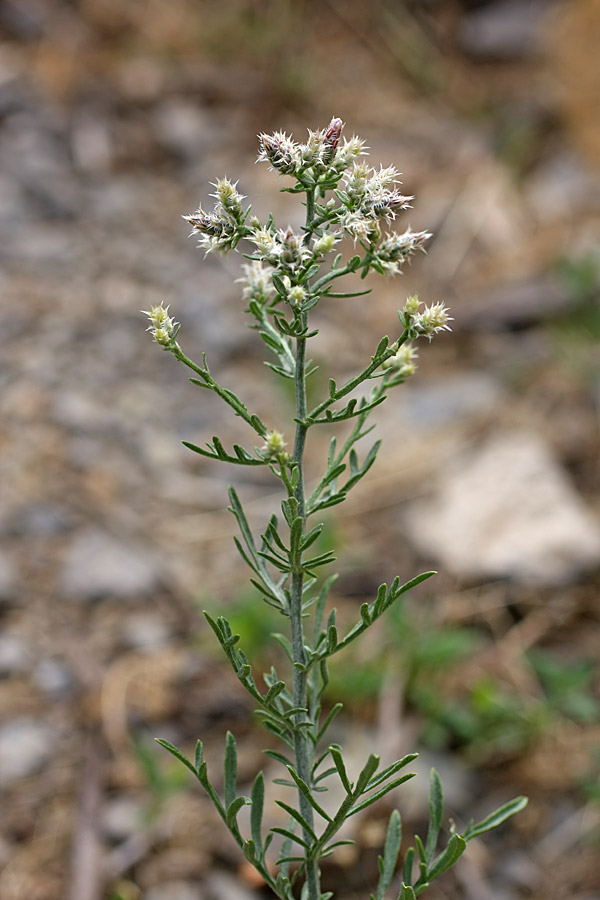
{"points": [[8, 577], [121, 818], [25, 747], [54, 678], [145, 630], [507, 510], [504, 29], [221, 884], [175, 890], [14, 655], [99, 565], [456, 397]]}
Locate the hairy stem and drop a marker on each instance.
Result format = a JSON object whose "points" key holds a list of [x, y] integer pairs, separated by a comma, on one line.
{"points": [[302, 749]]}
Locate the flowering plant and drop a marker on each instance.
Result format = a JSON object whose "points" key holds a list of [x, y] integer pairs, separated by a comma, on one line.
{"points": [[286, 276]]}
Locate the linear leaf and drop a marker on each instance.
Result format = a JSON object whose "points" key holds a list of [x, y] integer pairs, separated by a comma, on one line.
{"points": [[496, 818], [230, 769], [178, 754], [436, 813], [336, 755], [290, 835], [298, 817], [380, 793], [256, 813], [454, 850], [391, 850], [233, 809]]}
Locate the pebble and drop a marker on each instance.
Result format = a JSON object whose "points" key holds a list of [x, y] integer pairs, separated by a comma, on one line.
{"points": [[25, 746], [456, 397], [54, 678], [14, 655], [507, 510], [8, 577], [98, 564], [146, 630], [121, 818], [505, 29], [176, 890]]}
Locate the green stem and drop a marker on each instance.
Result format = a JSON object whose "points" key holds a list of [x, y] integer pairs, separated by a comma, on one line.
{"points": [[302, 750]]}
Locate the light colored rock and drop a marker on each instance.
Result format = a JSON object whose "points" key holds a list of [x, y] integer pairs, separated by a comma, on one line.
{"points": [[504, 29], [456, 397], [99, 564], [121, 818], [174, 890], [15, 655], [8, 578], [507, 509], [25, 746], [145, 630]]}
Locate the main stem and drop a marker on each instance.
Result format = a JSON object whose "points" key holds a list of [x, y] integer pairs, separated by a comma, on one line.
{"points": [[303, 752]]}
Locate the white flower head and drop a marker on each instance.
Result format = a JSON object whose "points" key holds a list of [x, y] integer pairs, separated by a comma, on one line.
{"points": [[257, 281], [163, 327], [432, 319]]}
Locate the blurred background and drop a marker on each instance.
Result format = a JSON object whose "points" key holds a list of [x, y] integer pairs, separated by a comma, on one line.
{"points": [[115, 117]]}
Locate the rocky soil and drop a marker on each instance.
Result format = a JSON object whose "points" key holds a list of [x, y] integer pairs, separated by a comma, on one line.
{"points": [[115, 119]]}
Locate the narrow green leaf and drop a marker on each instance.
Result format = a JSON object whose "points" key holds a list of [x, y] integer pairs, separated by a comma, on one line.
{"points": [[308, 794], [381, 347], [454, 850], [230, 769], [336, 755], [335, 709], [199, 756], [256, 813], [233, 809], [407, 868], [436, 814], [380, 793], [295, 814], [368, 770], [391, 770], [391, 849], [278, 757], [406, 893], [290, 835], [177, 754], [274, 691], [496, 818]]}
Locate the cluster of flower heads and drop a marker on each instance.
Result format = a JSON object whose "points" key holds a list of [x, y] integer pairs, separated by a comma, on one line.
{"points": [[364, 201]]}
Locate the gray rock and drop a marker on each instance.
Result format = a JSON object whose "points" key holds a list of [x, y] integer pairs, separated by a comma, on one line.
{"points": [[98, 564], [456, 397], [54, 678], [25, 747], [505, 29], [145, 630], [15, 655], [8, 577], [221, 884], [177, 890], [507, 509], [121, 818]]}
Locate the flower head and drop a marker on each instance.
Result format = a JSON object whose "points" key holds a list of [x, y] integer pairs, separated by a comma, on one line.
{"points": [[164, 329], [432, 319], [257, 281], [403, 362], [281, 152], [274, 446]]}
